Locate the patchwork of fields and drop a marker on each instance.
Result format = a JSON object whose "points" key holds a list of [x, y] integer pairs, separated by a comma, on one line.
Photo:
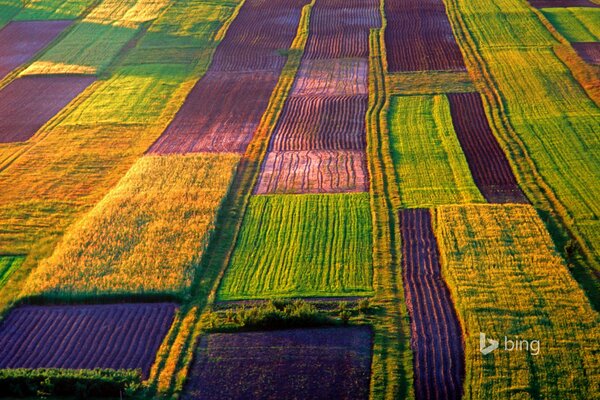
{"points": [[207, 199]]}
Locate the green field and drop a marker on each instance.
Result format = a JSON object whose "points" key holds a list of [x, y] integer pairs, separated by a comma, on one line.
{"points": [[8, 265], [302, 246], [576, 24], [430, 166], [53, 9], [507, 280]]}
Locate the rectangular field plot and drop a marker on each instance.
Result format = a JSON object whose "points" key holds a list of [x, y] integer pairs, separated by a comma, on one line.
{"points": [[430, 166], [418, 37], [488, 163], [87, 49], [438, 353], [146, 236], [112, 336], [20, 41], [327, 363], [576, 24], [321, 123], [590, 52], [313, 171], [53, 9], [562, 3], [332, 77], [340, 28], [507, 279], [27, 103], [220, 114], [302, 246]]}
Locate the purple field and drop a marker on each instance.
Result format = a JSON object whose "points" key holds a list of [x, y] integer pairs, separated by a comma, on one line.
{"points": [[115, 336], [326, 363]]}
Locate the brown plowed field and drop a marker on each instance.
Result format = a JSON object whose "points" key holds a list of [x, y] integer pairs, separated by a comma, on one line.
{"points": [[437, 344], [116, 336], [326, 363], [562, 3], [315, 171], [220, 114], [337, 77], [21, 40], [589, 51], [490, 168], [321, 123], [340, 29], [27, 103], [419, 37]]}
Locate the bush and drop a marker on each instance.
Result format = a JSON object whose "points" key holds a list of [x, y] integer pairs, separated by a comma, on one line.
{"points": [[66, 382]]}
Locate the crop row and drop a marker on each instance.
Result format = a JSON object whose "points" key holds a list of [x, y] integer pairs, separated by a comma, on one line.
{"points": [[118, 336], [507, 280], [436, 333]]}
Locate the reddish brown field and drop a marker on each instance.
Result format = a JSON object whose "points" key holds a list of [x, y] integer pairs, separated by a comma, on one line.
{"points": [[490, 168], [589, 51], [336, 77], [437, 344], [224, 108], [562, 3], [326, 363], [27, 103], [315, 171], [419, 37], [115, 336], [21, 40], [340, 28], [321, 123], [220, 114]]}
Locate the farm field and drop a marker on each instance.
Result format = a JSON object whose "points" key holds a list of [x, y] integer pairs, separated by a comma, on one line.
{"points": [[251, 199]]}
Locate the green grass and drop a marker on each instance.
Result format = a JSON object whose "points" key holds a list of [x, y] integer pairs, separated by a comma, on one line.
{"points": [[8, 9], [8, 265], [132, 95], [302, 245], [507, 279], [428, 159], [53, 9], [88, 48], [576, 24]]}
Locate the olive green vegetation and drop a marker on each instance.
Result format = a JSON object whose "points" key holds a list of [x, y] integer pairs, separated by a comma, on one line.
{"points": [[543, 117], [429, 82], [300, 246], [53, 9], [134, 94], [576, 24], [8, 265], [506, 279], [430, 166], [8, 9]]}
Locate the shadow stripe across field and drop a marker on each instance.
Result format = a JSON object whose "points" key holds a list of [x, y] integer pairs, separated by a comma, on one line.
{"points": [[436, 337], [224, 108], [115, 336], [21, 40]]}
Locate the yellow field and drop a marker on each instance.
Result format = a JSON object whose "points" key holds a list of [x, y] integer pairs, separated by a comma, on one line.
{"points": [[506, 279], [146, 235]]}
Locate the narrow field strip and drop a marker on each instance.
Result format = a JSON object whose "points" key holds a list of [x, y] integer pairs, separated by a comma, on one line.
{"points": [[429, 82], [437, 342], [224, 108], [506, 279], [590, 52], [576, 24], [20, 41], [302, 246], [53, 9], [295, 364], [115, 336], [27, 103], [418, 37], [146, 236], [313, 171], [340, 29], [321, 123], [489, 166], [430, 166], [562, 3], [8, 265]]}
